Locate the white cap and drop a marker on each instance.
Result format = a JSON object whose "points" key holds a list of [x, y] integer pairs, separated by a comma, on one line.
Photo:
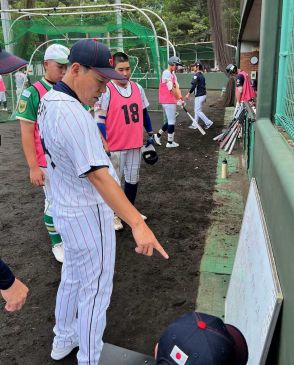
{"points": [[57, 53]]}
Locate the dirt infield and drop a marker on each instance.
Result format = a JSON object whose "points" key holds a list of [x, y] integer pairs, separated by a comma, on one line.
{"points": [[175, 194]]}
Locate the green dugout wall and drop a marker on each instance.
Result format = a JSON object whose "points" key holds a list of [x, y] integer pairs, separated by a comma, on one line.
{"points": [[273, 169]]}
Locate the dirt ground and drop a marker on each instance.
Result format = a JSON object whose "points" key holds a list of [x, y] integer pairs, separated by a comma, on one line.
{"points": [[175, 194]]}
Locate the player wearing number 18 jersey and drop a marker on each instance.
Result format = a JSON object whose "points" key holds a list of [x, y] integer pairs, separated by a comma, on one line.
{"points": [[121, 118]]}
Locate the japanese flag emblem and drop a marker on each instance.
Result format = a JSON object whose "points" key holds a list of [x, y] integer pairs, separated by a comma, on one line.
{"points": [[178, 356]]}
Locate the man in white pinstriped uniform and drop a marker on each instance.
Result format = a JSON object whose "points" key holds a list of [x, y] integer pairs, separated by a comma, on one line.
{"points": [[85, 194]]}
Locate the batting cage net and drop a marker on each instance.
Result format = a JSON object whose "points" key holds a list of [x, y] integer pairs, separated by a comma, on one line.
{"points": [[31, 35], [285, 96]]}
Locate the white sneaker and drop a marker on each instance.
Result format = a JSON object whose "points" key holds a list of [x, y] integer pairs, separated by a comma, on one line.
{"points": [[192, 126], [144, 217], [173, 144], [118, 226], [58, 252], [208, 125], [58, 354], [157, 139]]}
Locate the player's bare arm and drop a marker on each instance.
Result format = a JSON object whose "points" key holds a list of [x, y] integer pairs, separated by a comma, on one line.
{"points": [[28, 143], [15, 296], [116, 199]]}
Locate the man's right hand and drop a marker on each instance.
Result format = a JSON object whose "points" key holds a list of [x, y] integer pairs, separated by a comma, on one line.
{"points": [[37, 176], [15, 296], [146, 241]]}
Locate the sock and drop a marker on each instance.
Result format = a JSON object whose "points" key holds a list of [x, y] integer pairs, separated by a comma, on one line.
{"points": [[170, 129], [170, 137], [131, 191], [54, 236], [163, 129]]}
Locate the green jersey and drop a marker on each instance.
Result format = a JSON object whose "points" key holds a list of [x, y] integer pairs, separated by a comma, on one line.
{"points": [[29, 102]]}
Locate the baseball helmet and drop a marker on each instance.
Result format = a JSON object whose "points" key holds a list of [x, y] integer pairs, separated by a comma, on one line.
{"points": [[174, 60], [149, 154], [231, 68]]}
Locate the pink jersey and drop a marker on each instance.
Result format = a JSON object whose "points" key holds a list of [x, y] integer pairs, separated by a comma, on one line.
{"points": [[38, 145], [124, 120], [248, 92], [166, 96], [2, 85]]}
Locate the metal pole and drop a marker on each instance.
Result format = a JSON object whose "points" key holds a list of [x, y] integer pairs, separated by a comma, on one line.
{"points": [[120, 44], [5, 20]]}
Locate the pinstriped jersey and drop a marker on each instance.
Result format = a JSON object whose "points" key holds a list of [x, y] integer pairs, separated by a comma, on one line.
{"points": [[73, 147]]}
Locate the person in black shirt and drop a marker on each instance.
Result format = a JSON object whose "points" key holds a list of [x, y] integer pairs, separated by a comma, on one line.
{"points": [[198, 87]]}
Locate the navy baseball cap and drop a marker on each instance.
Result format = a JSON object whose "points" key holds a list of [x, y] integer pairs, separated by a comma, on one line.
{"points": [[10, 63], [93, 54], [196, 64], [201, 339]]}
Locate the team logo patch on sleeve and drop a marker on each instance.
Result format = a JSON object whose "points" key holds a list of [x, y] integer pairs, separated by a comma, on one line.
{"points": [[178, 356], [22, 106], [26, 93]]}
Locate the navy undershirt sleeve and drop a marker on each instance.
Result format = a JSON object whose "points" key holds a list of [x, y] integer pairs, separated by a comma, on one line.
{"points": [[6, 276], [147, 121]]}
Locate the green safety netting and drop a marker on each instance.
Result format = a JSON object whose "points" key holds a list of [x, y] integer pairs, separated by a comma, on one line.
{"points": [[147, 56]]}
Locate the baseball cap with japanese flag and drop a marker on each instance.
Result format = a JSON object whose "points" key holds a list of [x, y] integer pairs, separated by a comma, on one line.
{"points": [[201, 339]]}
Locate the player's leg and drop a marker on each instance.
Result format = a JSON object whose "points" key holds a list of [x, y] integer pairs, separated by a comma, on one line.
{"points": [[96, 271], [55, 238], [1, 98], [199, 112], [132, 174], [118, 161], [4, 101], [170, 111], [196, 118], [163, 129], [89, 259]]}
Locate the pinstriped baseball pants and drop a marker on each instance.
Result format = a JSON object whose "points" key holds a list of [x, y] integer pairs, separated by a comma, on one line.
{"points": [[86, 282], [127, 163]]}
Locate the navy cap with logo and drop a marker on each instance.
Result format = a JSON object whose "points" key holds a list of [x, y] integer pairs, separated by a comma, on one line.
{"points": [[93, 54], [201, 339], [10, 63]]}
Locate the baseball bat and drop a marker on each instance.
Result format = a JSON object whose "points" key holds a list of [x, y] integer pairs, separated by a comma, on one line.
{"points": [[194, 121], [232, 145], [234, 134], [218, 137], [228, 130], [228, 136]]}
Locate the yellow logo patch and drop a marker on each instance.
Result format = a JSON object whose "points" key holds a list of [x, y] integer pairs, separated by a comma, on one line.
{"points": [[22, 106]]}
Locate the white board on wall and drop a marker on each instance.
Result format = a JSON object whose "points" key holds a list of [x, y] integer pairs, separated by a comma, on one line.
{"points": [[254, 295]]}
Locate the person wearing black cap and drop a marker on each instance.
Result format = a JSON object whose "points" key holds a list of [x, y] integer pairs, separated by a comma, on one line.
{"points": [[198, 87], [85, 194], [13, 291], [201, 339]]}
